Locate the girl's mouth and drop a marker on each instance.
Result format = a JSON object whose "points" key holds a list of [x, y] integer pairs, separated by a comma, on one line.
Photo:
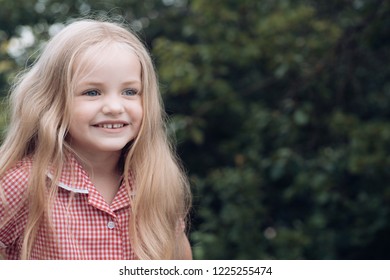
{"points": [[111, 126]]}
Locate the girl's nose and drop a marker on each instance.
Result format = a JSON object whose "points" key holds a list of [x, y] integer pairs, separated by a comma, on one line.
{"points": [[112, 106]]}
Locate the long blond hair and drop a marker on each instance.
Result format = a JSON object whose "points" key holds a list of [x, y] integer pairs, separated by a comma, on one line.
{"points": [[40, 114]]}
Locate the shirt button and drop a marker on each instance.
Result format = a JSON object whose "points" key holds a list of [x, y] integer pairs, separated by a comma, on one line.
{"points": [[111, 225]]}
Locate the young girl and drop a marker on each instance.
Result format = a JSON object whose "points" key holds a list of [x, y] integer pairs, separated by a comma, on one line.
{"points": [[86, 169]]}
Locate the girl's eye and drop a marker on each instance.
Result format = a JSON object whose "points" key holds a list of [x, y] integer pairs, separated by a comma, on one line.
{"points": [[130, 92], [91, 93]]}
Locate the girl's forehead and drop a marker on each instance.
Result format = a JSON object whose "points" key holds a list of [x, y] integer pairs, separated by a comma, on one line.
{"points": [[100, 51], [93, 56]]}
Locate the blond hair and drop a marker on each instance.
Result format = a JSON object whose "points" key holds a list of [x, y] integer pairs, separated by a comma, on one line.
{"points": [[40, 115]]}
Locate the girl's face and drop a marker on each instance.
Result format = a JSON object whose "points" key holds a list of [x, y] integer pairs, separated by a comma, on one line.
{"points": [[107, 106]]}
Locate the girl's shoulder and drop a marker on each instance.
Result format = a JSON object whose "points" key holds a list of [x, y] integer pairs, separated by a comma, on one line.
{"points": [[16, 178], [22, 168]]}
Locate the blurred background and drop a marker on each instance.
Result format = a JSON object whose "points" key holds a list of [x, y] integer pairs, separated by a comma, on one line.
{"points": [[280, 109]]}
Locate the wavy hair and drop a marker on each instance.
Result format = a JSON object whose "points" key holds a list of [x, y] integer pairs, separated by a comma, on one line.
{"points": [[40, 103]]}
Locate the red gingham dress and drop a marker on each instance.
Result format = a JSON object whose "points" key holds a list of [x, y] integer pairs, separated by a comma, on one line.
{"points": [[85, 226]]}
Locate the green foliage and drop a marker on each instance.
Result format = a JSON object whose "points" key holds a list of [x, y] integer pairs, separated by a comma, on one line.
{"points": [[280, 110], [293, 158]]}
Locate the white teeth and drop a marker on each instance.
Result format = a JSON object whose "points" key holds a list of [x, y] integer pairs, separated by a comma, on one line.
{"points": [[116, 125]]}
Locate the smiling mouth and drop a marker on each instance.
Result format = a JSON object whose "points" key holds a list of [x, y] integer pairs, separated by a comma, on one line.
{"points": [[111, 126]]}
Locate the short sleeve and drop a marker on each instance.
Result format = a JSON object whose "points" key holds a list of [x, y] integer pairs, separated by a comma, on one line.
{"points": [[13, 207]]}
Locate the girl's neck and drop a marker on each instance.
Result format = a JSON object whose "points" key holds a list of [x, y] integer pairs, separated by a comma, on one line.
{"points": [[103, 163], [103, 172]]}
